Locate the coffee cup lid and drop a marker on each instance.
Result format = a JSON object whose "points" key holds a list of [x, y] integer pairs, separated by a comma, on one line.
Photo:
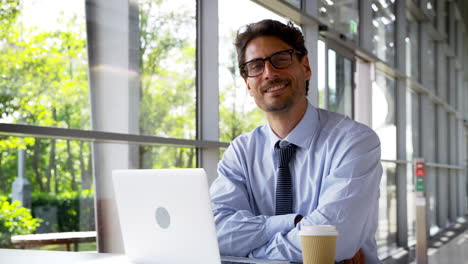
{"points": [[318, 230]]}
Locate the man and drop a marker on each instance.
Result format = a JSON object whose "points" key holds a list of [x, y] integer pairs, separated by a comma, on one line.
{"points": [[331, 167]]}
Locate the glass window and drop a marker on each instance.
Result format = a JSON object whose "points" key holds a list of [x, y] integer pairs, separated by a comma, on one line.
{"points": [[343, 16], [430, 9], [430, 65], [429, 149], [165, 157], [432, 196], [412, 42], [322, 75], [335, 80], [296, 3], [412, 132], [340, 83], [386, 234], [43, 65], [383, 13], [384, 124], [383, 114], [238, 112], [56, 186], [167, 50]]}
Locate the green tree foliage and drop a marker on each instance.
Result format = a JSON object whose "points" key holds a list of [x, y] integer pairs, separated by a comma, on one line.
{"points": [[43, 81], [167, 105], [235, 117], [15, 220]]}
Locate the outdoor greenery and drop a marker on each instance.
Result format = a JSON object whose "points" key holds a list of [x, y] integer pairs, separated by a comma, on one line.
{"points": [[73, 211], [44, 82], [14, 220]]}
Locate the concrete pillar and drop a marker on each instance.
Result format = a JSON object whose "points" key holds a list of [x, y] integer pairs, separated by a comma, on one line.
{"points": [[113, 51], [21, 189]]}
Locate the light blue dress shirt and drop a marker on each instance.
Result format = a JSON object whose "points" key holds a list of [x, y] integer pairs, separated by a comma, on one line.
{"points": [[335, 172]]}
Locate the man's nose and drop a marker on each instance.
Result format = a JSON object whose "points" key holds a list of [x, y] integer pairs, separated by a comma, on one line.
{"points": [[269, 70]]}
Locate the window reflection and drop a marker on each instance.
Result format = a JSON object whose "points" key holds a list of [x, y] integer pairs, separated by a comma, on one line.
{"points": [[343, 16], [383, 12]]}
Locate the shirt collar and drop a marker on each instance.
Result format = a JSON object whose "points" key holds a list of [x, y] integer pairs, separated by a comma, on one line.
{"points": [[300, 135]]}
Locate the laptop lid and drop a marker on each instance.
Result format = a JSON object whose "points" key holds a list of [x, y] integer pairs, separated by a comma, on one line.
{"points": [[165, 216]]}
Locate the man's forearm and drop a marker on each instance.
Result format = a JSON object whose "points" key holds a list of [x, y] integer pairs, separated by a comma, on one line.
{"points": [[239, 233]]}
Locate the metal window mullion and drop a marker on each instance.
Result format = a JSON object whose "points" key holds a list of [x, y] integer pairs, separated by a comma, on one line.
{"points": [[104, 137], [402, 208], [311, 36], [207, 85]]}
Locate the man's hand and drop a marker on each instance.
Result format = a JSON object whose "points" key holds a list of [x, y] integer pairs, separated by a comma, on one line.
{"points": [[297, 219]]}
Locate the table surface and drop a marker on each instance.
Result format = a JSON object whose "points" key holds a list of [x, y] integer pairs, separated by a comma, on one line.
{"points": [[56, 236], [21, 256]]}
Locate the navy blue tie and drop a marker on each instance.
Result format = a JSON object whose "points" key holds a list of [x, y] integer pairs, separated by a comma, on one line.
{"points": [[284, 201]]}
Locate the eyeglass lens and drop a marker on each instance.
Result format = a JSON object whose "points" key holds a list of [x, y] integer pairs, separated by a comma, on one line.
{"points": [[279, 60]]}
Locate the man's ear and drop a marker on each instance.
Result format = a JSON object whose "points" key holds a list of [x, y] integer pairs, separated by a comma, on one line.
{"points": [[307, 69], [246, 80]]}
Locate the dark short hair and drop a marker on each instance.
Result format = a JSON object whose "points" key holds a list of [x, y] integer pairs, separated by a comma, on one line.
{"points": [[288, 33]]}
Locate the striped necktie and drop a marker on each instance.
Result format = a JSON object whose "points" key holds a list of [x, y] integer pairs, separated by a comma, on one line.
{"points": [[284, 201]]}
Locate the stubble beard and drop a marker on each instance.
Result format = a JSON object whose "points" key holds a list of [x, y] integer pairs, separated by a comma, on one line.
{"points": [[278, 104]]}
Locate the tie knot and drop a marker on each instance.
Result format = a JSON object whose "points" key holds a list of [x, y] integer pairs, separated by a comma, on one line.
{"points": [[284, 154]]}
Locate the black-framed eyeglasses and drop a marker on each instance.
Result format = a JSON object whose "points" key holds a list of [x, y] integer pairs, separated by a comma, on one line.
{"points": [[279, 60]]}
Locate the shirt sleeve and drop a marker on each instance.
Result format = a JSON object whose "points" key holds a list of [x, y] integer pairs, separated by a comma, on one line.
{"points": [[239, 230], [348, 199]]}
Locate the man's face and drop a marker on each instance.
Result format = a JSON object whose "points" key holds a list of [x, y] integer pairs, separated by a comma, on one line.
{"points": [[276, 90]]}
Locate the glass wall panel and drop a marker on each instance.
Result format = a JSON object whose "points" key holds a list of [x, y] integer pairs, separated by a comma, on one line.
{"points": [[431, 197], [384, 124], [168, 69], [343, 16], [429, 60], [386, 231], [430, 9], [238, 112], [340, 83], [429, 149], [166, 157], [43, 64], [383, 114], [335, 80], [412, 65], [296, 3], [322, 74], [57, 187], [383, 13], [412, 132]]}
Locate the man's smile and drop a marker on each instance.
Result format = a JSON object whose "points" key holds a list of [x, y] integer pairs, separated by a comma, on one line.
{"points": [[276, 87]]}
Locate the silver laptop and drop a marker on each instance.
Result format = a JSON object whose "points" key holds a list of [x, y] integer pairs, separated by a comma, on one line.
{"points": [[166, 217]]}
